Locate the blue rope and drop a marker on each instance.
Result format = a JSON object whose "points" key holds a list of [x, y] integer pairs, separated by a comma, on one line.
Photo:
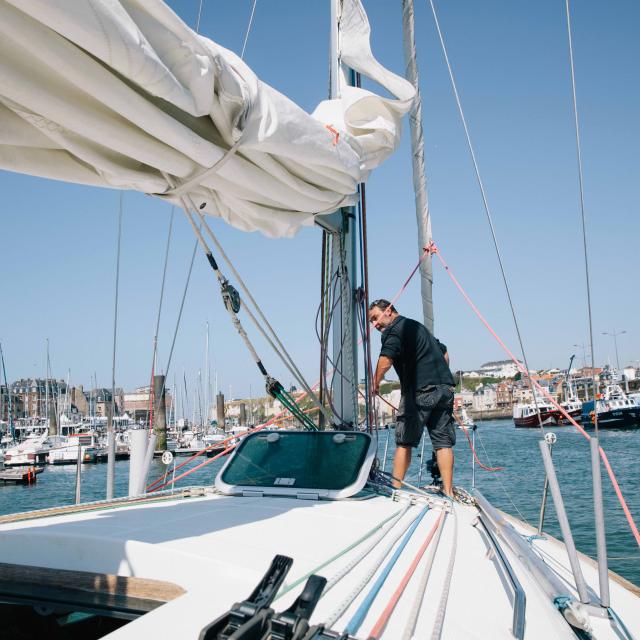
{"points": [[363, 609], [530, 539], [562, 602], [619, 623]]}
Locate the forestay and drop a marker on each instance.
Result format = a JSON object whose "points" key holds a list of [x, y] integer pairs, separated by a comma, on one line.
{"points": [[123, 94]]}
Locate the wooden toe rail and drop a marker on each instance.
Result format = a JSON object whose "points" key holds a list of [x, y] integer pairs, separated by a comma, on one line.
{"points": [[101, 593]]}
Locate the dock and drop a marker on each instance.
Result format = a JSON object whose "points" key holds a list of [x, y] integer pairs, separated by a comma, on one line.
{"points": [[20, 475]]}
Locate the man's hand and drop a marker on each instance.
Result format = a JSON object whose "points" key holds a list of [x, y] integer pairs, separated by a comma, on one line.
{"points": [[384, 364]]}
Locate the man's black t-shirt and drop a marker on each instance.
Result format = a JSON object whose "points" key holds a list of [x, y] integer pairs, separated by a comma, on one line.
{"points": [[418, 357]]}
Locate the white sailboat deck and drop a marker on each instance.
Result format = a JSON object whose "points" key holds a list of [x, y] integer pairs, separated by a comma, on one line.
{"points": [[217, 548]]}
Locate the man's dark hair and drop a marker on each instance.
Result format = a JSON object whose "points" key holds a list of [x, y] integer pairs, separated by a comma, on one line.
{"points": [[382, 304]]}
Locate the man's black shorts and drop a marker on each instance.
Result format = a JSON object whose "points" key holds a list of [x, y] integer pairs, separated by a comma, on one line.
{"points": [[433, 407]]}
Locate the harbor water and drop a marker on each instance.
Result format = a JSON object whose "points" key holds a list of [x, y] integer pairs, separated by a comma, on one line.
{"points": [[517, 489]]}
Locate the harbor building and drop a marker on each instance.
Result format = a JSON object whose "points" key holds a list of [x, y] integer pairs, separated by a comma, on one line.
{"points": [[137, 403], [34, 393], [14, 400]]}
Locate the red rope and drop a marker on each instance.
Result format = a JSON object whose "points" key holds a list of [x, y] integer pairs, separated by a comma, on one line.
{"points": [[634, 529], [154, 485], [473, 450], [382, 621]]}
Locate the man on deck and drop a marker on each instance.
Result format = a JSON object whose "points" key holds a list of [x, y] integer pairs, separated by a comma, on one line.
{"points": [[422, 365]]}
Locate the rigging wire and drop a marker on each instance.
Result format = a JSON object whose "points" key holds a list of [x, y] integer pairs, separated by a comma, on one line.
{"points": [[549, 397], [111, 438], [321, 315], [487, 210], [281, 351], [199, 16], [582, 213], [175, 332], [246, 35], [155, 335]]}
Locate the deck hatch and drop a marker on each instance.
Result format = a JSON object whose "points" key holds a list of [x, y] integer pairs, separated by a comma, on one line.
{"points": [[328, 464]]}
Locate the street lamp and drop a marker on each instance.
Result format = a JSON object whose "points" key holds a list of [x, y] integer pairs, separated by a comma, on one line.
{"points": [[614, 334]]}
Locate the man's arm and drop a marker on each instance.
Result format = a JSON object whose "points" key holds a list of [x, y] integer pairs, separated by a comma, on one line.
{"points": [[384, 364]]}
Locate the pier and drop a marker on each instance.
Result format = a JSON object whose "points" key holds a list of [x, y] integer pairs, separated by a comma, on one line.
{"points": [[20, 475]]}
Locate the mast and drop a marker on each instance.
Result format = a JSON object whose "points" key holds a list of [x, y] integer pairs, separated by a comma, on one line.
{"points": [[6, 382], [423, 218], [207, 378], [46, 383], [345, 338]]}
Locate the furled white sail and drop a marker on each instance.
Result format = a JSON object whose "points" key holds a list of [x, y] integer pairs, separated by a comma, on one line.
{"points": [[121, 93]]}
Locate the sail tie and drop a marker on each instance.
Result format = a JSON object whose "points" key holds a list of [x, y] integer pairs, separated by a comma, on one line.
{"points": [[198, 179]]}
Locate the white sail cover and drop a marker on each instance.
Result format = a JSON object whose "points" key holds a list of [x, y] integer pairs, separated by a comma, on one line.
{"points": [[123, 94]]}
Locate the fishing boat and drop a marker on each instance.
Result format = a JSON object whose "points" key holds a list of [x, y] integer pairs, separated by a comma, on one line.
{"points": [[302, 535], [533, 414], [571, 405], [614, 410]]}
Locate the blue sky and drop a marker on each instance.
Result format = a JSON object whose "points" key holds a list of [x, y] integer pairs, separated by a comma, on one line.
{"points": [[57, 241]]}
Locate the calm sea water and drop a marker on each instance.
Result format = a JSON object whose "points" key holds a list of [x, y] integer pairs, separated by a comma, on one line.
{"points": [[516, 490]]}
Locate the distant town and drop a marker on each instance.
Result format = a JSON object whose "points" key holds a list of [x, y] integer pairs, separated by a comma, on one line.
{"points": [[489, 391]]}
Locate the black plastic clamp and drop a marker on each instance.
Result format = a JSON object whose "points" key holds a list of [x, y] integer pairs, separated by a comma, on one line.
{"points": [[293, 623], [249, 619]]}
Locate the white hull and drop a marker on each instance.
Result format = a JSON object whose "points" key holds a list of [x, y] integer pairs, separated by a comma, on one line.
{"points": [[217, 549]]}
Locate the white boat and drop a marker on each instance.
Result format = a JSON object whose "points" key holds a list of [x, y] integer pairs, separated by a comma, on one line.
{"points": [[465, 421], [189, 442], [31, 451], [245, 555], [65, 449]]}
